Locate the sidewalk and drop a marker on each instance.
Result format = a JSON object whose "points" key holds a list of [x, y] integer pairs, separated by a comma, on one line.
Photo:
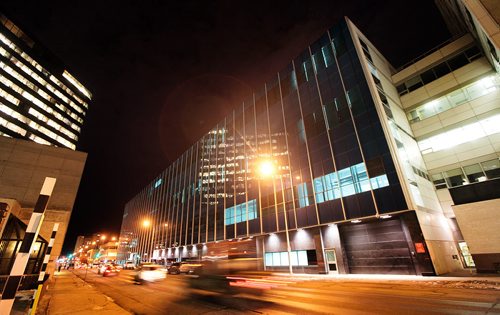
{"points": [[68, 294]]}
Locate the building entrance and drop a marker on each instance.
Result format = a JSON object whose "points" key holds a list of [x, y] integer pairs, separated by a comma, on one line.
{"points": [[331, 261]]}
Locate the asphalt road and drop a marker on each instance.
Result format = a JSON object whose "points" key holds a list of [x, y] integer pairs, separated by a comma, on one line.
{"points": [[305, 296]]}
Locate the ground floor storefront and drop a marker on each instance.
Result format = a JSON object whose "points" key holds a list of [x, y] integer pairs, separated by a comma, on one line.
{"points": [[390, 245]]}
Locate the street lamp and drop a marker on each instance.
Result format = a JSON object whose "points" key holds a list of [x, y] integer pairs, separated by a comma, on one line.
{"points": [[267, 169]]}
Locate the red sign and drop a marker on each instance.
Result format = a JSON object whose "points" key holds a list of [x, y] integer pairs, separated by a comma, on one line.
{"points": [[420, 248]]}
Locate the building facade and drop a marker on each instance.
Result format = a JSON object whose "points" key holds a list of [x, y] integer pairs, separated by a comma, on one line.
{"points": [[42, 108], [40, 100], [324, 170]]}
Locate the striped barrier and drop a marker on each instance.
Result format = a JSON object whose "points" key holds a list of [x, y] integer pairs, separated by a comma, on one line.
{"points": [[22, 256], [38, 290]]}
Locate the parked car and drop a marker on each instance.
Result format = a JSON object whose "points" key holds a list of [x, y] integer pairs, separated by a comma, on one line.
{"points": [[149, 273], [129, 265], [109, 270], [183, 267]]}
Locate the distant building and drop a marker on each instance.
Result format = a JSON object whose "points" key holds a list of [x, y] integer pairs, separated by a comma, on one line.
{"points": [[96, 248], [340, 164], [42, 109], [80, 242]]}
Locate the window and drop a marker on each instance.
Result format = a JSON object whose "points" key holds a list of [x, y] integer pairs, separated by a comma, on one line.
{"points": [[440, 70], [455, 177], [464, 134], [303, 196], [438, 181], [238, 213], [474, 173], [326, 51], [455, 98], [492, 168], [413, 83], [468, 174], [353, 180], [298, 257]]}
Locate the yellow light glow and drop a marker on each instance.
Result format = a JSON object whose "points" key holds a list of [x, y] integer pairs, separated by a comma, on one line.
{"points": [[103, 237], [266, 168], [146, 223], [113, 238], [93, 243]]}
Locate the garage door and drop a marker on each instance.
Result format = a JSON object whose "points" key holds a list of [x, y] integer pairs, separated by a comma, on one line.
{"points": [[378, 247]]}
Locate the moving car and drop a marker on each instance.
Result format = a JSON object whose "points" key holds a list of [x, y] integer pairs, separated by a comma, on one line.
{"points": [[183, 267], [149, 273], [109, 270]]}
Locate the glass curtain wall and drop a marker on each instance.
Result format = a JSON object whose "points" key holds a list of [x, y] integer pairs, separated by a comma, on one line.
{"points": [[315, 121]]}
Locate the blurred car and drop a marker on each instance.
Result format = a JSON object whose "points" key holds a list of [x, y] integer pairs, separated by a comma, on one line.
{"points": [[103, 267], [109, 270], [149, 273], [129, 265], [183, 267]]}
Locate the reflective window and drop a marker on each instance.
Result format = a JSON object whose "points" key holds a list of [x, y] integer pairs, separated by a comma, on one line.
{"points": [[303, 195], [238, 213], [440, 70], [353, 180], [492, 168]]}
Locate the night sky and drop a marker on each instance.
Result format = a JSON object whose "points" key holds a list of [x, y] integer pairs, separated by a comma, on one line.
{"points": [[163, 73]]}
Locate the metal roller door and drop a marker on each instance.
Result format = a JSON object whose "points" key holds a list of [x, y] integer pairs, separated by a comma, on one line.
{"points": [[378, 247]]}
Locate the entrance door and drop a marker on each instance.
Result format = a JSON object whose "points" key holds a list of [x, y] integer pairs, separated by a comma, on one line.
{"points": [[467, 257], [331, 261]]}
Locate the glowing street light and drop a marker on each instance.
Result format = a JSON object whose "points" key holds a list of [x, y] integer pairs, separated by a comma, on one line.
{"points": [[103, 237], [113, 238], [266, 168], [146, 223]]}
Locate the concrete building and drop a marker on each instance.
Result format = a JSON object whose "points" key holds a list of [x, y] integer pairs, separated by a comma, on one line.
{"points": [[42, 108], [341, 163]]}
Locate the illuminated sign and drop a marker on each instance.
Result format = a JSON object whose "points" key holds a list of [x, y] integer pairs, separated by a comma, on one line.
{"points": [[420, 248]]}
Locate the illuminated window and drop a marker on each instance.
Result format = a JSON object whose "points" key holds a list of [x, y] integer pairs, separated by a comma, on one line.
{"points": [[453, 99], [298, 258], [353, 180], [238, 213], [464, 134]]}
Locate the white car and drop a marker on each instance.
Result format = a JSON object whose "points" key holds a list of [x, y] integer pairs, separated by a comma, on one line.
{"points": [[129, 265], [150, 273]]}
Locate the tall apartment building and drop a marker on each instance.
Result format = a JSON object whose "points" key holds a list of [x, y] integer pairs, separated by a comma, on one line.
{"points": [[340, 163], [42, 108]]}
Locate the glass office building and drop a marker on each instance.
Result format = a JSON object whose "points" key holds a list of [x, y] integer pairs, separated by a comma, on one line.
{"points": [[317, 172], [39, 99]]}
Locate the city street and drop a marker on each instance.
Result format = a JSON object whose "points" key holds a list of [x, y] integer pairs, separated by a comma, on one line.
{"points": [[298, 295]]}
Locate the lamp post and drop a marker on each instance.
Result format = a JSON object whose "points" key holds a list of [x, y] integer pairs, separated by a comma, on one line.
{"points": [[267, 169]]}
